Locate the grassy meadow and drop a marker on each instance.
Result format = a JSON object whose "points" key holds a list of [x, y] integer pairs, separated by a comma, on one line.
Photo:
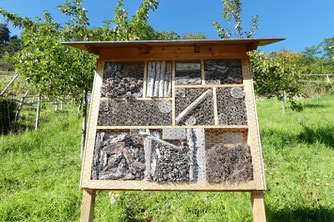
{"points": [[40, 173]]}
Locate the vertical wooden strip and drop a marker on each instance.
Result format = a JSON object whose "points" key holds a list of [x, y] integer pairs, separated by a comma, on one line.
{"points": [[150, 79], [157, 79], [38, 111], [215, 109], [87, 206], [162, 79], [254, 140], [202, 72], [173, 92], [169, 79], [148, 150], [92, 124], [259, 211], [145, 80]]}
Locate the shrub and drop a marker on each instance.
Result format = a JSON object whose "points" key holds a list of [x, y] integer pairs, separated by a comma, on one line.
{"points": [[7, 114]]}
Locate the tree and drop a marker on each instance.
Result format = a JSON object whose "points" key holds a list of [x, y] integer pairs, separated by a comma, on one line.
{"points": [[275, 75], [4, 33], [59, 71], [190, 35], [232, 14]]}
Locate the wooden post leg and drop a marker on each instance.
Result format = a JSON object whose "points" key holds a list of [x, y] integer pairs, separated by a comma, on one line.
{"points": [[87, 207], [259, 212]]}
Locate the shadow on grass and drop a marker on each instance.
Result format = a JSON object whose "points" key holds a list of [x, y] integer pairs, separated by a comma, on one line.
{"points": [[314, 106], [324, 135], [308, 135], [320, 214]]}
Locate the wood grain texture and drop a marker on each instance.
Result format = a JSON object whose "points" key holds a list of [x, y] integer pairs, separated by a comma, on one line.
{"points": [[259, 211], [87, 205], [253, 128], [172, 53]]}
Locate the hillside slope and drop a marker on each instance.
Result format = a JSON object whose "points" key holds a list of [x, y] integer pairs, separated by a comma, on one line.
{"points": [[40, 173]]}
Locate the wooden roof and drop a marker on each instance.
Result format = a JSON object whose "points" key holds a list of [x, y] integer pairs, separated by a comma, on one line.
{"points": [[95, 46]]}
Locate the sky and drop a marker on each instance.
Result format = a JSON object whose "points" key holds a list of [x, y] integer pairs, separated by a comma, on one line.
{"points": [[302, 22]]}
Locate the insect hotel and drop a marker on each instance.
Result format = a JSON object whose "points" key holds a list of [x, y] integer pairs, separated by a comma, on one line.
{"points": [[173, 115]]}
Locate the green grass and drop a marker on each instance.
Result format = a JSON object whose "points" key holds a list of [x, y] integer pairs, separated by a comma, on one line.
{"points": [[40, 173]]}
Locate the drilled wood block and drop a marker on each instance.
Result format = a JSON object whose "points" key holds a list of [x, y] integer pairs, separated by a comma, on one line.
{"points": [[133, 113], [231, 110], [202, 114]]}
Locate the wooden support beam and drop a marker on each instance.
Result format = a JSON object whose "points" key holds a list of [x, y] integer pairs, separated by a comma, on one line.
{"points": [[144, 50], [252, 46], [87, 207], [197, 48], [93, 49], [259, 211]]}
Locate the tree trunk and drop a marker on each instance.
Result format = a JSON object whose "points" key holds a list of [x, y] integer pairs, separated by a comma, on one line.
{"points": [[38, 110], [9, 84], [283, 102], [84, 125], [61, 105]]}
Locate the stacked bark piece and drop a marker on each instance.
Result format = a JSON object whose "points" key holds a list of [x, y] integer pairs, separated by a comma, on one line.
{"points": [[118, 157]]}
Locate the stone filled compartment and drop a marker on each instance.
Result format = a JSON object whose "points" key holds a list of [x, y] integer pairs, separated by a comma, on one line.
{"points": [[123, 80], [135, 113], [226, 71], [228, 156], [231, 106], [188, 73], [200, 114]]}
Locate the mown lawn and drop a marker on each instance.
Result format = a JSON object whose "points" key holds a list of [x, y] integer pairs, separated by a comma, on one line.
{"points": [[40, 172]]}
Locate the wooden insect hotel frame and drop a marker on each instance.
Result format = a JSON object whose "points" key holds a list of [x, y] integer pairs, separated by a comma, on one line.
{"points": [[173, 115]]}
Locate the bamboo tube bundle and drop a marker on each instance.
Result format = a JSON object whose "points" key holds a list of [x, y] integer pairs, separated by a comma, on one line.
{"points": [[159, 79]]}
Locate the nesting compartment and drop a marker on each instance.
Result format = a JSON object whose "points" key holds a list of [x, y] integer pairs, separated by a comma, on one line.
{"points": [[188, 112], [123, 80], [223, 72], [135, 113]]}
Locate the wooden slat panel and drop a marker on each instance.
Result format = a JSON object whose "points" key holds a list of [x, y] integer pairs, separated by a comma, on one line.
{"points": [[171, 53]]}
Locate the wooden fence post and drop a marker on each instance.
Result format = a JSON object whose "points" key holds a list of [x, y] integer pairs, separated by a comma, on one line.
{"points": [[38, 110]]}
